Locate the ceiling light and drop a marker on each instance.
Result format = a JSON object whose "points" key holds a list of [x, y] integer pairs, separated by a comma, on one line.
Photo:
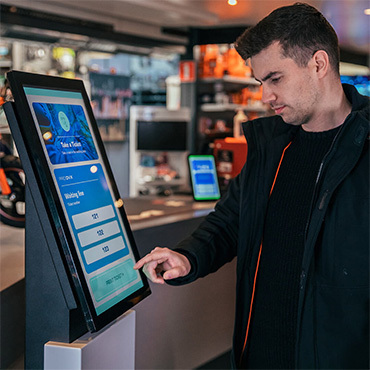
{"points": [[367, 11], [232, 2]]}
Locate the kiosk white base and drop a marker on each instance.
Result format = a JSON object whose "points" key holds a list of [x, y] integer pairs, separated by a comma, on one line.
{"points": [[113, 347]]}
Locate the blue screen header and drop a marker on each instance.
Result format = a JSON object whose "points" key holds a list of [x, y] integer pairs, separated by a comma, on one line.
{"points": [[52, 93]]}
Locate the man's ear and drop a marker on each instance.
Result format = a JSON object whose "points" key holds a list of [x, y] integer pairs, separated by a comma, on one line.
{"points": [[321, 63]]}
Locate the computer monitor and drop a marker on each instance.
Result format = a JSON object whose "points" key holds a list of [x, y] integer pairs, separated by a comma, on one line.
{"points": [[361, 83], [89, 222], [203, 176], [162, 135]]}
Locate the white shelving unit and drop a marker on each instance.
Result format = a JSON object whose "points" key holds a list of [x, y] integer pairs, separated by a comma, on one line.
{"points": [[146, 179], [211, 107]]}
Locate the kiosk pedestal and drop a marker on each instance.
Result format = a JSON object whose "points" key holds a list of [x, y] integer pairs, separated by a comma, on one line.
{"points": [[52, 312], [110, 348]]}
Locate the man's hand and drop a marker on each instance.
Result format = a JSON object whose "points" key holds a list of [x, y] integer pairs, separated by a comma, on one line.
{"points": [[165, 260]]}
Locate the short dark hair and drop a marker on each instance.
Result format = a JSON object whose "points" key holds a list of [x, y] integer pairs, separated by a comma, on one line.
{"points": [[300, 29]]}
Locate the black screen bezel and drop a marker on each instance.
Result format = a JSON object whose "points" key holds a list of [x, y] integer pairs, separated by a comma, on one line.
{"points": [[62, 234], [191, 178]]}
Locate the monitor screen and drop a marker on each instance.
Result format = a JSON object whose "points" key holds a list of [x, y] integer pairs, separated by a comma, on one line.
{"points": [[362, 83], [204, 177], [162, 136], [59, 128]]}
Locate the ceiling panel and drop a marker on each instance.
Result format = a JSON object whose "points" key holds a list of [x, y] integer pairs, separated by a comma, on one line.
{"points": [[148, 16]]}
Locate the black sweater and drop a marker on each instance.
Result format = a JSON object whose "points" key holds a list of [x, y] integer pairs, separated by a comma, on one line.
{"points": [[274, 318]]}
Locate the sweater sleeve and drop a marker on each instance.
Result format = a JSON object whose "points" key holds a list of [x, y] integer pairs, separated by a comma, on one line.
{"points": [[214, 242]]}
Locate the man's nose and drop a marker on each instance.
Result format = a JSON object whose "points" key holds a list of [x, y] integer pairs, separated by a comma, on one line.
{"points": [[268, 96]]}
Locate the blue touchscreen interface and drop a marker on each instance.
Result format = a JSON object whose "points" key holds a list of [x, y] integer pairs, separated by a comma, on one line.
{"points": [[204, 177], [86, 196], [65, 132]]}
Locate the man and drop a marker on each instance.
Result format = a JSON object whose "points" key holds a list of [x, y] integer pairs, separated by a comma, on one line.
{"points": [[297, 216]]}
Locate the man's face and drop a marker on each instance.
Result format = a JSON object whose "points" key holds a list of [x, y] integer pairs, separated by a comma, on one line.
{"points": [[288, 88]]}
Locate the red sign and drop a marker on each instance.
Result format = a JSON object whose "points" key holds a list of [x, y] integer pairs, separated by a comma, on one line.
{"points": [[187, 71]]}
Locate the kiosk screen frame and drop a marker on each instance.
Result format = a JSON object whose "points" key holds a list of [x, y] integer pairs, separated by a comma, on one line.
{"points": [[80, 194]]}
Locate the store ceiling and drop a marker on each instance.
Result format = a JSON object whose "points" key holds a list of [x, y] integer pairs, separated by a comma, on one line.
{"points": [[147, 18]]}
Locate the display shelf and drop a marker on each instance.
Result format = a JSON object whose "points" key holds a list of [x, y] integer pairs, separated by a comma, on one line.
{"points": [[111, 97], [218, 101], [108, 118], [114, 141], [226, 83], [231, 79], [160, 182], [212, 107], [5, 63], [216, 134], [146, 97], [5, 130]]}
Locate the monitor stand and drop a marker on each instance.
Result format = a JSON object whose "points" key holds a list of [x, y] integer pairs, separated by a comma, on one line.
{"points": [[112, 347], [52, 313]]}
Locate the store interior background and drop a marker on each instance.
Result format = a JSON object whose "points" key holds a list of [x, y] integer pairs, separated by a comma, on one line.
{"points": [[133, 47]]}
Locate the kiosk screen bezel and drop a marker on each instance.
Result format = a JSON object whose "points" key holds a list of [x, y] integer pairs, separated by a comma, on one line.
{"points": [[48, 189]]}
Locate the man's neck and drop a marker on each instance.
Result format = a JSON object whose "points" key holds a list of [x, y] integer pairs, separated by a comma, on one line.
{"points": [[334, 110]]}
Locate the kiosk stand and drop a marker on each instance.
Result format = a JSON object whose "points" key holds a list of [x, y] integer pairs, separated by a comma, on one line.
{"points": [[52, 313], [110, 348], [52, 310]]}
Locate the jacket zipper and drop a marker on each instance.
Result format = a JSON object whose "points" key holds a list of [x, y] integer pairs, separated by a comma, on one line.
{"points": [[318, 177]]}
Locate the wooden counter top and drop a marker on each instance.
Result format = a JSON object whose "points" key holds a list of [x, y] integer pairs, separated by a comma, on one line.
{"points": [[151, 211]]}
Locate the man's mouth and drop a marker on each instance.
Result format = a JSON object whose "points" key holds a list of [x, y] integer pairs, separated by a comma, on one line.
{"points": [[278, 110]]}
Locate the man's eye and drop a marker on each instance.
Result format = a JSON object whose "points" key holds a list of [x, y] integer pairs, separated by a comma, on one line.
{"points": [[275, 80]]}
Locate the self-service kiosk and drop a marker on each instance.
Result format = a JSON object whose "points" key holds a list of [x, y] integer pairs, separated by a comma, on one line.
{"points": [[80, 249]]}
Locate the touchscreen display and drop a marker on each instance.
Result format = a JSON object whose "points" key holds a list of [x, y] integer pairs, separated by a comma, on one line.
{"points": [[85, 194], [204, 177]]}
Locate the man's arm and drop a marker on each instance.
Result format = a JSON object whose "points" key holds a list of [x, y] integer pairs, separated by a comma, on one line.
{"points": [[209, 247]]}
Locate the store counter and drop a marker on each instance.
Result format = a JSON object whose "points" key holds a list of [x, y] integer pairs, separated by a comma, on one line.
{"points": [[151, 211], [187, 326]]}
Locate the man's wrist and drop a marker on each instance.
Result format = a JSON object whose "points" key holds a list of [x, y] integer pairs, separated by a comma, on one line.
{"points": [[191, 276]]}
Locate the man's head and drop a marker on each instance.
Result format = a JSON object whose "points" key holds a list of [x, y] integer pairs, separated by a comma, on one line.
{"points": [[300, 29]]}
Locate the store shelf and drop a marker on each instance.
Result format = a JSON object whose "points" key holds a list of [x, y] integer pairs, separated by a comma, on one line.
{"points": [[231, 79], [109, 118], [161, 182], [211, 107], [5, 130], [220, 99], [5, 63]]}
